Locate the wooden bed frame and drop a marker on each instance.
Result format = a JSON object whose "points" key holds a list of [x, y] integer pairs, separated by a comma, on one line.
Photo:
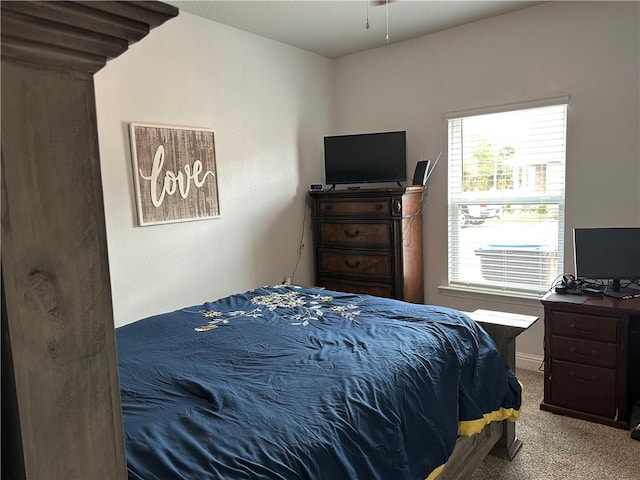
{"points": [[470, 451], [61, 407], [499, 438]]}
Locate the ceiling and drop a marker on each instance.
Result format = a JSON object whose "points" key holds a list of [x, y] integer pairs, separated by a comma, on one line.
{"points": [[338, 28]]}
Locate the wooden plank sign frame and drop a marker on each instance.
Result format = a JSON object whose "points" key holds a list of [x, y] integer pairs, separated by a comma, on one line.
{"points": [[174, 173]]}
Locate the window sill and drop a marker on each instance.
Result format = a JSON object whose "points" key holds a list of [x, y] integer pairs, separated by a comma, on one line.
{"points": [[510, 297]]}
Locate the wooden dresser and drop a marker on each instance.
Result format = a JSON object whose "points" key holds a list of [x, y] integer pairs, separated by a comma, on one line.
{"points": [[369, 241], [591, 369]]}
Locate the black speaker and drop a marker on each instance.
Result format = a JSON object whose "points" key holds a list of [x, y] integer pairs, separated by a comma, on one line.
{"points": [[421, 172]]}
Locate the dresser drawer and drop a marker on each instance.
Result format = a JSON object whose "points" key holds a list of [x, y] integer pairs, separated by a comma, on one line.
{"points": [[355, 208], [374, 234], [590, 327], [584, 388], [587, 352], [377, 289], [354, 263]]}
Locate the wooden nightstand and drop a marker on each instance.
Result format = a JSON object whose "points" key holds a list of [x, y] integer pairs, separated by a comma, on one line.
{"points": [[589, 372]]}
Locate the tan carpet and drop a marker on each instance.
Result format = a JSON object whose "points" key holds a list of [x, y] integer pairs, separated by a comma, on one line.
{"points": [[556, 447]]}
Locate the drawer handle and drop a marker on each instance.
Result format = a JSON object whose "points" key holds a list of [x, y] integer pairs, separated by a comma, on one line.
{"points": [[582, 379], [592, 353], [379, 206], [352, 234], [584, 330], [349, 264]]}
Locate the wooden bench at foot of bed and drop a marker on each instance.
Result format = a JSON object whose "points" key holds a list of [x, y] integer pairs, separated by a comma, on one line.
{"points": [[504, 328], [497, 438]]}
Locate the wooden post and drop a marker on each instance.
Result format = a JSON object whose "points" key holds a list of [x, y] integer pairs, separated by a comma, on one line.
{"points": [[56, 291]]}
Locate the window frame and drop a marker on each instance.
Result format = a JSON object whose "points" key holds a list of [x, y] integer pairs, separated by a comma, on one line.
{"points": [[456, 200]]}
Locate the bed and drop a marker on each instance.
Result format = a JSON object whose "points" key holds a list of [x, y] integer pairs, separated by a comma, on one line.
{"points": [[289, 382]]}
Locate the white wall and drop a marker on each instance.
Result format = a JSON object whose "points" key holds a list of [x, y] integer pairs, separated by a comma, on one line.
{"points": [[588, 50], [268, 105]]}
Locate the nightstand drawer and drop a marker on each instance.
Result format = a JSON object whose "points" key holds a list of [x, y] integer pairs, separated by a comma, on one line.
{"points": [[584, 351], [589, 327], [352, 263], [374, 234], [584, 388], [360, 208]]}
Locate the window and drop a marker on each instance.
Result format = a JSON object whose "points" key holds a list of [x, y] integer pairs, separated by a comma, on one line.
{"points": [[506, 197]]}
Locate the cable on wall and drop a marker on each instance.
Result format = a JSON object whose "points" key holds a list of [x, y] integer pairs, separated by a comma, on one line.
{"points": [[300, 243]]}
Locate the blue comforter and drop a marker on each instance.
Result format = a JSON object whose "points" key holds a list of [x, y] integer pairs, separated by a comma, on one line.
{"points": [[287, 382]]}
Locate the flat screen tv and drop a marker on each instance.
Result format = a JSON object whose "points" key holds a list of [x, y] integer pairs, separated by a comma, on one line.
{"points": [[365, 158], [610, 254]]}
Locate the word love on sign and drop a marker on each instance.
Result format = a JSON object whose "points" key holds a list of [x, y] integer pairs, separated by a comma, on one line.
{"points": [[174, 171]]}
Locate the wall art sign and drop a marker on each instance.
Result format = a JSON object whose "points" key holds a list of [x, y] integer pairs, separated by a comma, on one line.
{"points": [[174, 172]]}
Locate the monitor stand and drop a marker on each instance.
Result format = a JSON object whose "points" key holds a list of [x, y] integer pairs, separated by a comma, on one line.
{"points": [[622, 293]]}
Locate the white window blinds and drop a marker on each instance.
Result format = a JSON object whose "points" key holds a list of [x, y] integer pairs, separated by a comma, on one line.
{"points": [[506, 197]]}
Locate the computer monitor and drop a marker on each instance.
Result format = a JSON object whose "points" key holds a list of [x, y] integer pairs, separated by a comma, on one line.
{"points": [[611, 254]]}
